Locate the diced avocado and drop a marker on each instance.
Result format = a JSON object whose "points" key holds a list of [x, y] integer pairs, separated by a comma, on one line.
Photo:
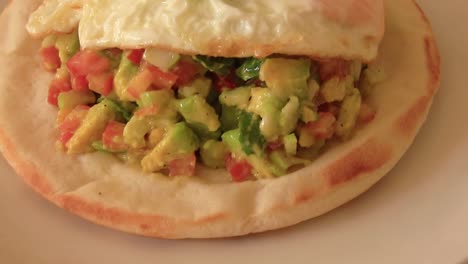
{"points": [[284, 162], [308, 114], [73, 98], [125, 109], [349, 113], [290, 144], [99, 146], [136, 129], [355, 69], [67, 45], [286, 77], [202, 131], [159, 97], [262, 167], [333, 90], [62, 73], [312, 89], [306, 139], [289, 115], [212, 153], [371, 76], [178, 141], [231, 139], [160, 58], [155, 136], [91, 128], [139, 126], [113, 56], [200, 86], [237, 97], [229, 117], [195, 109], [49, 41], [268, 107], [126, 71], [311, 152]]}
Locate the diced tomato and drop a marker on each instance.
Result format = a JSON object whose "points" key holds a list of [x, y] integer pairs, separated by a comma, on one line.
{"points": [[150, 110], [56, 87], [101, 83], [186, 71], [240, 170], [136, 56], [162, 79], [140, 83], [184, 166], [112, 138], [366, 114], [223, 82], [50, 58], [71, 123], [324, 127], [333, 68], [79, 83], [87, 62]]}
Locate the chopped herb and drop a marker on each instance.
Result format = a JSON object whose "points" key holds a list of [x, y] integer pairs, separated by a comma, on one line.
{"points": [[218, 65], [251, 138], [249, 69]]}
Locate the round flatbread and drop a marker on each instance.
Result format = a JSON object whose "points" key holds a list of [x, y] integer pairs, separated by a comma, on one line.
{"points": [[105, 191]]}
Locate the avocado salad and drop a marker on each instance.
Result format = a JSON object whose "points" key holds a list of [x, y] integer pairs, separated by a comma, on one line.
{"points": [[169, 113]]}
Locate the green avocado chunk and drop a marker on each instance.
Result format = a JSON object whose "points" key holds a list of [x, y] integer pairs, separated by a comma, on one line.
{"points": [[200, 86], [67, 45], [268, 107], [138, 126], [349, 113], [289, 115], [179, 140], [91, 128], [229, 117], [263, 168], [196, 110], [70, 99], [126, 71], [237, 97], [212, 153], [286, 77]]}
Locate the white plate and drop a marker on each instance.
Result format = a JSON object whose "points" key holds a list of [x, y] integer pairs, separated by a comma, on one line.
{"points": [[417, 214]]}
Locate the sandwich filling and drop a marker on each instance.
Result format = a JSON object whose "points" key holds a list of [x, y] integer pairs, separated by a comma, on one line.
{"points": [[256, 117]]}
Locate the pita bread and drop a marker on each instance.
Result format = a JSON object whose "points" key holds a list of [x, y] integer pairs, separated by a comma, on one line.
{"points": [[341, 28], [107, 192]]}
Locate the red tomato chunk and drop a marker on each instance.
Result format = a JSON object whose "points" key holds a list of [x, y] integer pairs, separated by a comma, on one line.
{"points": [[112, 138], [324, 127], [71, 123], [136, 56], [101, 83], [184, 166], [87, 62], [50, 58], [56, 87], [240, 170]]}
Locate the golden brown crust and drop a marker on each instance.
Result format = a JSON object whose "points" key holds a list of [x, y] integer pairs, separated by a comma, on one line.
{"points": [[139, 204], [366, 158]]}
